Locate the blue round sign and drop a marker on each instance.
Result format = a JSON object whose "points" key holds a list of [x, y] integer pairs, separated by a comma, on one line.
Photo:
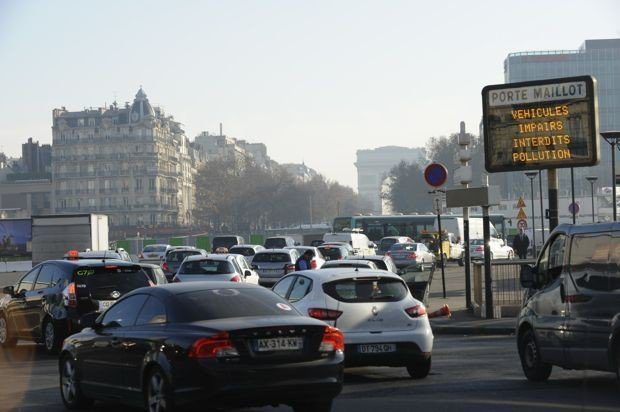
{"points": [[436, 174], [573, 208]]}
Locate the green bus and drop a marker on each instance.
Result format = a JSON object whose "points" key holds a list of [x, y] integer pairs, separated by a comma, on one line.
{"points": [[377, 227]]}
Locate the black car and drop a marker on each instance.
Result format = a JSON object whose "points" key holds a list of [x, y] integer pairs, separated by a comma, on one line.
{"points": [[571, 312], [212, 343], [46, 304]]}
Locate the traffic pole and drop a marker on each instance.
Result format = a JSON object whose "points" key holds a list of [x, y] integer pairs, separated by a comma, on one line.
{"points": [[488, 280], [443, 274]]}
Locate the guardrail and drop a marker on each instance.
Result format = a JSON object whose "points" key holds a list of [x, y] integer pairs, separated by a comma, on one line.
{"points": [[505, 285]]}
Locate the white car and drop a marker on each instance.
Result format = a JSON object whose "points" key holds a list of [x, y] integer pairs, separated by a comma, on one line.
{"points": [[317, 261], [383, 324], [499, 249], [351, 264], [224, 267], [248, 251]]}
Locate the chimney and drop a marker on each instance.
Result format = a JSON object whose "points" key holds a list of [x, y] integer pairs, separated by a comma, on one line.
{"points": [[221, 133]]}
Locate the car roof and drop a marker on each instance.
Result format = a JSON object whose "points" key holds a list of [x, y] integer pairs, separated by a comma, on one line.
{"points": [[367, 257], [345, 262], [246, 245], [287, 251], [158, 244], [211, 256], [570, 229], [89, 262], [395, 237], [183, 287], [331, 274]]}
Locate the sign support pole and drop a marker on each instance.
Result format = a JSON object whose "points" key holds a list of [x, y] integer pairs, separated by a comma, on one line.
{"points": [[552, 182], [572, 193], [488, 280], [442, 262]]}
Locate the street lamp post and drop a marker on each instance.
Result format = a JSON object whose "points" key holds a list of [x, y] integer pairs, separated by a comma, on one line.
{"points": [[592, 179], [532, 176], [613, 138]]}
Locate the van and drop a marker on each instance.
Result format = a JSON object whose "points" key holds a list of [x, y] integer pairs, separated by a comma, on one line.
{"points": [[360, 242], [226, 241], [571, 311]]}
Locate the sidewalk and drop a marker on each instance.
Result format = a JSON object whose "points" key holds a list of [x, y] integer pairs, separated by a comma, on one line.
{"points": [[462, 321]]}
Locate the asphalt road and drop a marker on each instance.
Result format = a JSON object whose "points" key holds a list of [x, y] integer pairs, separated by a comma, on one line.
{"points": [[469, 373]]}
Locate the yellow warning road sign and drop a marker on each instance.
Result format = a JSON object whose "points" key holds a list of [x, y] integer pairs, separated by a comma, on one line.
{"points": [[521, 202], [521, 214]]}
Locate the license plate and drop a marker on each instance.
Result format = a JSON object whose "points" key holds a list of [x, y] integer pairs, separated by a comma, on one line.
{"points": [[377, 348], [273, 344], [104, 304], [272, 270]]}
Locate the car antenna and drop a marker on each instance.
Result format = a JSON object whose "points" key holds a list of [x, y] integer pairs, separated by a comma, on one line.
{"points": [[104, 253]]}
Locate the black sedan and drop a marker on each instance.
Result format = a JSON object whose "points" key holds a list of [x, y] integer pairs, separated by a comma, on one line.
{"points": [[228, 344]]}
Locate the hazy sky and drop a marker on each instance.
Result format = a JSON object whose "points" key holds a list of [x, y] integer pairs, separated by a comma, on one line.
{"points": [[313, 80]]}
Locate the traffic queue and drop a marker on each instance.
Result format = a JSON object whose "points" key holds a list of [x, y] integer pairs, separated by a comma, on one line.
{"points": [[266, 326]]}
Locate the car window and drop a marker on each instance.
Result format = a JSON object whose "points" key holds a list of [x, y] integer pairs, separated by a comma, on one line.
{"points": [[301, 288], [59, 276], [357, 290], [124, 313], [552, 259], [385, 244], [594, 261], [243, 264], [281, 288], [44, 279], [267, 257], [26, 283], [332, 253], [152, 312], [275, 243], [236, 265], [180, 256], [101, 281], [207, 267], [244, 251], [160, 275]]}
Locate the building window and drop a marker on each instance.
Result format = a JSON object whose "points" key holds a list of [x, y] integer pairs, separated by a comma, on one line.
{"points": [[80, 122], [152, 183], [138, 185]]}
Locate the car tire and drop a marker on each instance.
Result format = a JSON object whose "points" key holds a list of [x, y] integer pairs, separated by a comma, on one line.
{"points": [[157, 391], [6, 340], [461, 262], [70, 390], [53, 335], [534, 368], [422, 267], [419, 369], [316, 406]]}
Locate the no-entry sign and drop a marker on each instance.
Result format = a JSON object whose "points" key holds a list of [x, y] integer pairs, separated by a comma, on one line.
{"points": [[436, 174]]}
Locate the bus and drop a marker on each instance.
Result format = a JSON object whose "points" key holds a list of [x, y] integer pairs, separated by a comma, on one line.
{"points": [[377, 227]]}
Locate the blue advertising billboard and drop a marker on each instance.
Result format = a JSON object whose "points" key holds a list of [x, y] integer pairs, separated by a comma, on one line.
{"points": [[15, 237]]}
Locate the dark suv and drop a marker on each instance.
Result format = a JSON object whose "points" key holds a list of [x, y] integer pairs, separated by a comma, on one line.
{"points": [[571, 311], [47, 303]]}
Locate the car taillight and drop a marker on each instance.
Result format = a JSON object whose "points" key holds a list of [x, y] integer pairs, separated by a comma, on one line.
{"points": [[480, 249], [217, 346], [140, 256], [236, 278], [412, 255], [333, 340], [69, 296], [313, 264], [416, 311], [324, 314], [164, 266], [388, 253], [289, 268]]}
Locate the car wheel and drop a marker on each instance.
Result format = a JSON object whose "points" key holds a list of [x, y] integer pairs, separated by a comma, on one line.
{"points": [[6, 340], [316, 406], [157, 391], [422, 266], [461, 262], [533, 367], [419, 369], [53, 335], [70, 391]]}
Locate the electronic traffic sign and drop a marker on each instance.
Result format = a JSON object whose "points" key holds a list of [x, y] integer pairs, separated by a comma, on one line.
{"points": [[543, 124]]}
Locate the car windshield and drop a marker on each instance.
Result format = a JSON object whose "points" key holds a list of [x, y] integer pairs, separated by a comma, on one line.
{"points": [[224, 241], [404, 246], [272, 258], [245, 251], [275, 243], [154, 248], [233, 303], [332, 253], [102, 280], [206, 267], [476, 242], [386, 243], [180, 256], [358, 290]]}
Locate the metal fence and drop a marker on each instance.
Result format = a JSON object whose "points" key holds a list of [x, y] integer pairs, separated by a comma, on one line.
{"points": [[505, 282]]}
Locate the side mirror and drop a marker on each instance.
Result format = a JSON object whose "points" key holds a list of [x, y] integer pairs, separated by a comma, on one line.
{"points": [[528, 277], [9, 290], [90, 320], [372, 245], [254, 267], [247, 273]]}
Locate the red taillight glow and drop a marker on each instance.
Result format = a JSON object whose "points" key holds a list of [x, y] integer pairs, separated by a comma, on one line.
{"points": [[412, 255], [289, 268], [480, 249], [164, 266], [324, 314], [313, 264], [416, 311], [388, 253], [235, 278], [217, 346], [69, 296], [333, 340]]}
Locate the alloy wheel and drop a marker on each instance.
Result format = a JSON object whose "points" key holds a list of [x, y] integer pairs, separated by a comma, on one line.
{"points": [[156, 395], [50, 335], [69, 387], [4, 332]]}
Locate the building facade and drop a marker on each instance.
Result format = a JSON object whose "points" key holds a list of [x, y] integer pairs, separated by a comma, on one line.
{"points": [[133, 163], [373, 167], [599, 58]]}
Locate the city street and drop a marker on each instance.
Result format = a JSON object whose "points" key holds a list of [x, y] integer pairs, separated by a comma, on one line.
{"points": [[469, 373]]}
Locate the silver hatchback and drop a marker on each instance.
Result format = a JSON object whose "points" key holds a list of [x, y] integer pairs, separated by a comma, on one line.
{"points": [[272, 264]]}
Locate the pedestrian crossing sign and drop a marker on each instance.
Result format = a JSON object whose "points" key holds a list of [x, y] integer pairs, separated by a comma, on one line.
{"points": [[521, 215], [521, 202]]}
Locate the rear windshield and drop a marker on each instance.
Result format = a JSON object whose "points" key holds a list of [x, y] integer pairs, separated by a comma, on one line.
{"points": [[404, 246], [357, 290], [380, 264], [206, 267], [101, 281], [331, 253], [181, 255], [476, 242], [233, 303], [245, 251], [386, 243], [154, 248], [276, 243], [347, 264], [225, 241], [272, 258]]}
